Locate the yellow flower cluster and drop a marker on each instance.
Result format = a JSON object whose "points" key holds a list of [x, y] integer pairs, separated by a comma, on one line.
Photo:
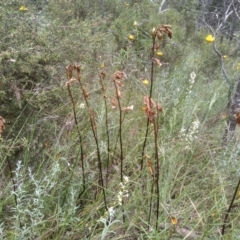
{"points": [[131, 37], [238, 66], [23, 8], [145, 82], [159, 53], [209, 38]]}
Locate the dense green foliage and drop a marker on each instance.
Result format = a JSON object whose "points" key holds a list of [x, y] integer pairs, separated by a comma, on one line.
{"points": [[51, 168]]}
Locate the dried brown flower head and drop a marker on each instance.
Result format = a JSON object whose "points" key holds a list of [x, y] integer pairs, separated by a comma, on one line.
{"points": [[238, 118], [69, 82], [161, 30], [119, 75], [157, 61], [69, 71], [149, 164], [151, 108], [102, 75]]}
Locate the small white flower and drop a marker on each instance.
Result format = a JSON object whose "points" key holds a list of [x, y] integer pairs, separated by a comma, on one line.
{"points": [[82, 105], [192, 79], [126, 179], [111, 212], [193, 75]]}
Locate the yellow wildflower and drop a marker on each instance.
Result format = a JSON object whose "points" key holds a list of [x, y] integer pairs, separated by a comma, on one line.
{"points": [[174, 221], [159, 53], [131, 37], [209, 38], [135, 23], [225, 56], [238, 66], [145, 82], [22, 8]]}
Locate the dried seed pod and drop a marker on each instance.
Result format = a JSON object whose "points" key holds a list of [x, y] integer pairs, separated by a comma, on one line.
{"points": [[159, 35], [86, 93], [68, 83], [167, 26], [102, 75], [157, 61], [149, 163], [69, 71], [120, 75]]}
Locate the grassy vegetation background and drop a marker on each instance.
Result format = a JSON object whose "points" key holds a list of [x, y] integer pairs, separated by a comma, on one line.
{"points": [[44, 192]]}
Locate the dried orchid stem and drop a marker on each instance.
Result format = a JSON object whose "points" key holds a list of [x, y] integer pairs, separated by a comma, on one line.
{"points": [[120, 129], [150, 207], [157, 169], [106, 123], [120, 137], [156, 34], [94, 131], [80, 139], [152, 68], [150, 96]]}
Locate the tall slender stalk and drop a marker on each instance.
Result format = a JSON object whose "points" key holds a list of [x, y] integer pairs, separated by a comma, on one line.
{"points": [[69, 73], [157, 168], [101, 77], [150, 95], [150, 207], [152, 113], [120, 130], [80, 140], [152, 110], [94, 131], [156, 34], [117, 77], [229, 208]]}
